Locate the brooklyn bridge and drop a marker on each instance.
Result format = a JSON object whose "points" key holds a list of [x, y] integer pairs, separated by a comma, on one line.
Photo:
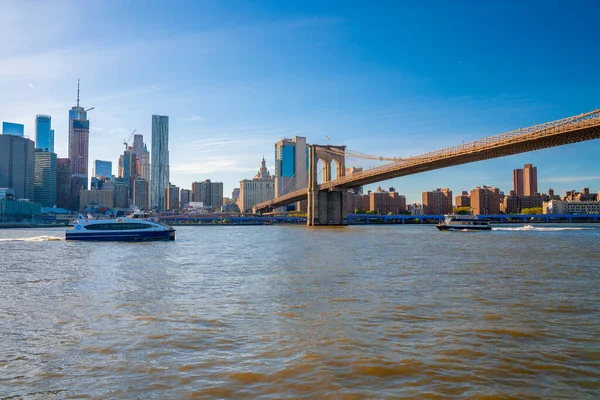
{"points": [[326, 201]]}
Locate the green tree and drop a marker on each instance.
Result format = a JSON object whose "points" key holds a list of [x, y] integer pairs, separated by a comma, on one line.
{"points": [[533, 210], [462, 210]]}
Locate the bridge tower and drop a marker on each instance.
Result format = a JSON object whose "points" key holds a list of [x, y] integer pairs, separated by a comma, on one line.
{"points": [[326, 207]]}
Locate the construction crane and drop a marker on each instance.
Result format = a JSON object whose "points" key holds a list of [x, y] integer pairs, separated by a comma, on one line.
{"points": [[126, 141]]}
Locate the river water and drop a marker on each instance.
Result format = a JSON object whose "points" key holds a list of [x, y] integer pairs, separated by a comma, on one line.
{"points": [[294, 312]]}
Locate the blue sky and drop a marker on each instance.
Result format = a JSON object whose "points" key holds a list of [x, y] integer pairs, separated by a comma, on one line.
{"points": [[386, 78]]}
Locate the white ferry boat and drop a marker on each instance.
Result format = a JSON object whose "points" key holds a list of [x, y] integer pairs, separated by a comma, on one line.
{"points": [[463, 223], [131, 229]]}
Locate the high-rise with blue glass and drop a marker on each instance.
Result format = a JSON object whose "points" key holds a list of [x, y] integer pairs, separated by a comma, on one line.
{"points": [[44, 135], [102, 168], [160, 160], [291, 165]]}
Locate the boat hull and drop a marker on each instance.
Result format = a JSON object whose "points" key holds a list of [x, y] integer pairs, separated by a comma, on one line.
{"points": [[443, 227], [122, 236]]}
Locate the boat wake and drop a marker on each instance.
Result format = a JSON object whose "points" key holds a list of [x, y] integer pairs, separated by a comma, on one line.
{"points": [[540, 229], [33, 239]]}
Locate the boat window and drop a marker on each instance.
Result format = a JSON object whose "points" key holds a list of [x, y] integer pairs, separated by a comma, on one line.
{"points": [[117, 227]]}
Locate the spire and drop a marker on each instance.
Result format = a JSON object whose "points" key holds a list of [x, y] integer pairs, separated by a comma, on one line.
{"points": [[77, 92]]}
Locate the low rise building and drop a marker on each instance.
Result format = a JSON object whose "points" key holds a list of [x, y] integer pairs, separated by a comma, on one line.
{"points": [[571, 207]]}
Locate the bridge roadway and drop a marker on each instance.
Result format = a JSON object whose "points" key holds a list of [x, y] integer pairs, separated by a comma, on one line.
{"points": [[551, 134]]}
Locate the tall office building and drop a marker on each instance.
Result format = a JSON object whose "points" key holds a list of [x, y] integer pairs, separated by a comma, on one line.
{"points": [[121, 193], [44, 184], [17, 165], [160, 160], [438, 202], [103, 168], [291, 165], [138, 144], [145, 166], [209, 193], [185, 196], [63, 183], [171, 197], [79, 137], [44, 134], [10, 128], [141, 193], [525, 181]]}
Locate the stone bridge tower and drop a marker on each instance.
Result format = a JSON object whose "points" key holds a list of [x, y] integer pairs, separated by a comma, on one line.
{"points": [[329, 206]]}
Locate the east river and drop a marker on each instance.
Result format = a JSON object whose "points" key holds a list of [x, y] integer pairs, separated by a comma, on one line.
{"points": [[271, 312]]}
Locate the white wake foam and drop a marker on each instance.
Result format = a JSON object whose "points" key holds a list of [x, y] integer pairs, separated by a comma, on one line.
{"points": [[32, 239], [540, 228]]}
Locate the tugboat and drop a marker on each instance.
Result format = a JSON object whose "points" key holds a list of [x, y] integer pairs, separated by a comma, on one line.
{"points": [[129, 229], [464, 223]]}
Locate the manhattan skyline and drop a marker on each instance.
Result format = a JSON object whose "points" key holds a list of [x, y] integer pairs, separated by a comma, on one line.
{"points": [[393, 80]]}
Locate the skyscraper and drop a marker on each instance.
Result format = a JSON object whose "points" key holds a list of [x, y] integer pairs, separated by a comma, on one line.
{"points": [[63, 183], [160, 160], [44, 135], [103, 168], [525, 181], [138, 144], [291, 165], [44, 186], [140, 193], [79, 136], [17, 165]]}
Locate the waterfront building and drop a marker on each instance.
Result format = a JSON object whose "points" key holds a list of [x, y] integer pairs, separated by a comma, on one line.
{"points": [[160, 160], [384, 202], [171, 197], [121, 193], [185, 196], [415, 209], [291, 165], [485, 200], [571, 207], [463, 200], [17, 165], [141, 193], [209, 193], [256, 190], [358, 202], [437, 202], [525, 181], [63, 183], [12, 210], [44, 181], [78, 183], [44, 134], [102, 168], [97, 197], [10, 128]]}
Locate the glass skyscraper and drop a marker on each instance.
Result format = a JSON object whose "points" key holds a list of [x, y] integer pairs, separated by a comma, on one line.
{"points": [[44, 186], [160, 160], [103, 168], [44, 135]]}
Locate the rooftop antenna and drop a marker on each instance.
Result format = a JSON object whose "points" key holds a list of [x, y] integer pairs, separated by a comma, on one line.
{"points": [[77, 92]]}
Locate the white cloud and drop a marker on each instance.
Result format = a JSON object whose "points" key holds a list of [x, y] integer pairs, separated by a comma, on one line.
{"points": [[569, 179], [31, 85]]}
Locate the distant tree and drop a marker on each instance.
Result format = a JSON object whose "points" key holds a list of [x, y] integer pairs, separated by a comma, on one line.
{"points": [[390, 213], [371, 212], [462, 210], [533, 210]]}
